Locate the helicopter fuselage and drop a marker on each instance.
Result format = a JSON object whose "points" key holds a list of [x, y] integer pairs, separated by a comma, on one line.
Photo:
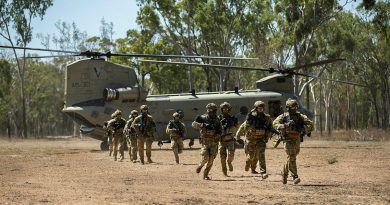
{"points": [[95, 88]]}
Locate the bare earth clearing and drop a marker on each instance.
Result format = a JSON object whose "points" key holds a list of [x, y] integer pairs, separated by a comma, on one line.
{"points": [[75, 171]]}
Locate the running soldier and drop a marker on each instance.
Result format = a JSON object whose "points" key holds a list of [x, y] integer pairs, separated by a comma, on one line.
{"points": [[210, 133], [257, 130], [176, 130], [294, 126], [116, 126], [131, 136], [145, 129], [227, 143]]}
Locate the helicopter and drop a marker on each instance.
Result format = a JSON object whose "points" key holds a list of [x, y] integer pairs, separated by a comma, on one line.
{"points": [[95, 88]]}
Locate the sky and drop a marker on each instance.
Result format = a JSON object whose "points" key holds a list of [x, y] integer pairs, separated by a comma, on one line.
{"points": [[87, 15]]}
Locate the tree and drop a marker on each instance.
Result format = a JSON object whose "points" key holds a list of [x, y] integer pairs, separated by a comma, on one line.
{"points": [[17, 15], [212, 28], [5, 91]]}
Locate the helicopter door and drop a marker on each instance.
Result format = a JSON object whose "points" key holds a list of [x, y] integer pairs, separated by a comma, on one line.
{"points": [[275, 108]]}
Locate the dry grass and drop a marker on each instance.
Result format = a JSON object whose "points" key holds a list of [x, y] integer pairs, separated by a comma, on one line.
{"points": [[353, 135]]}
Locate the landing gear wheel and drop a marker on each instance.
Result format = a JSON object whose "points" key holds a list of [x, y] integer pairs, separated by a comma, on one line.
{"points": [[104, 146]]}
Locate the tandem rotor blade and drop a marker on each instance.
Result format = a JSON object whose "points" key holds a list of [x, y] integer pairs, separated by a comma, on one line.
{"points": [[210, 65], [52, 56], [39, 49], [135, 55], [315, 64], [179, 56], [330, 79]]}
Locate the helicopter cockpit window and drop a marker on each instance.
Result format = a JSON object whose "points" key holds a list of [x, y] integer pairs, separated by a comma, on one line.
{"points": [[275, 108]]}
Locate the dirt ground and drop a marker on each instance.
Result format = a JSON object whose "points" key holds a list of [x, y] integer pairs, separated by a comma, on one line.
{"points": [[75, 171]]}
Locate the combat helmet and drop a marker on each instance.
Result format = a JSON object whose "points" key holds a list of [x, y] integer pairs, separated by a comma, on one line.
{"points": [[133, 112], [116, 113], [259, 104], [144, 107], [225, 104], [291, 102], [212, 106]]}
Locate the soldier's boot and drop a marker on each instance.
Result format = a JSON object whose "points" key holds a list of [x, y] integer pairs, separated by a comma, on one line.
{"points": [[142, 160], [224, 171], [110, 153], [150, 160], [284, 178], [264, 175], [224, 168], [230, 166], [121, 158], [176, 158], [198, 169], [253, 171], [115, 158], [296, 180], [247, 165], [206, 175]]}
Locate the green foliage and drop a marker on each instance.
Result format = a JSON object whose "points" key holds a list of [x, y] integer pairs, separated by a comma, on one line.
{"points": [[278, 33]]}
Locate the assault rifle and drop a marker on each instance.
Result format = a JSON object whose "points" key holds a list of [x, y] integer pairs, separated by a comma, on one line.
{"points": [[298, 127], [141, 126], [209, 126], [273, 131], [177, 130], [118, 125], [226, 124]]}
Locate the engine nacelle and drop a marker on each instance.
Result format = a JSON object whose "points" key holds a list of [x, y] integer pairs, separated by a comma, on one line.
{"points": [[129, 94]]}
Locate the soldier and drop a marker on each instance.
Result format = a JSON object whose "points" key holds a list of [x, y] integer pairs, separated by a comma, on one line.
{"points": [[227, 148], [131, 136], [256, 129], [176, 129], [210, 132], [109, 137], [293, 125], [145, 129], [116, 125]]}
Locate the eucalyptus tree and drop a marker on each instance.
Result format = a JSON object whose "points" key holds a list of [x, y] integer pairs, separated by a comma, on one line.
{"points": [[16, 29], [374, 54], [198, 27], [5, 95]]}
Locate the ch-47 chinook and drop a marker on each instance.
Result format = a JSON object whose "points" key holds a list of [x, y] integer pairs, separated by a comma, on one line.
{"points": [[95, 88]]}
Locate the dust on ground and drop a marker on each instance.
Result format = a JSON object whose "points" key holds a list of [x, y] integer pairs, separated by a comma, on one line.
{"points": [[75, 171]]}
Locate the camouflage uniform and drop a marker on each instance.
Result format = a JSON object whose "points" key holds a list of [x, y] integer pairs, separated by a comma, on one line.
{"points": [[131, 136], [116, 125], [210, 131], [109, 138], [176, 131], [227, 143], [145, 128], [256, 129], [292, 124]]}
